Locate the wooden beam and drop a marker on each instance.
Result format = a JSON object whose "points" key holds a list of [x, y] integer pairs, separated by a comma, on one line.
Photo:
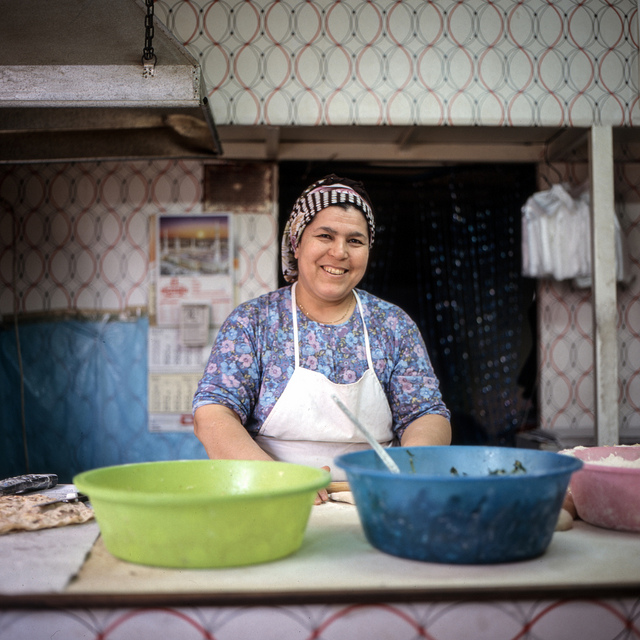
{"points": [[565, 142], [272, 143], [604, 285], [436, 153]]}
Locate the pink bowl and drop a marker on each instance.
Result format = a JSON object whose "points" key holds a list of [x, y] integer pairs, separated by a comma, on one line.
{"points": [[607, 496]]}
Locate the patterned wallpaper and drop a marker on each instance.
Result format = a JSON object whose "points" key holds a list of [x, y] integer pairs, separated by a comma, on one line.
{"points": [[78, 236], [82, 234], [565, 322], [428, 62], [592, 619]]}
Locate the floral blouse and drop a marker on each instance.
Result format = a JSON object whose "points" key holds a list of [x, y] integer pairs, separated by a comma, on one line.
{"points": [[252, 358]]}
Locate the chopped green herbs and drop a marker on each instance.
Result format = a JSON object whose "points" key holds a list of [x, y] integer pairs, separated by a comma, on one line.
{"points": [[454, 472], [518, 467], [413, 469]]}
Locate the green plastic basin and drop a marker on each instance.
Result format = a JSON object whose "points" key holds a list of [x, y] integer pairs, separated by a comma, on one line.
{"points": [[202, 513]]}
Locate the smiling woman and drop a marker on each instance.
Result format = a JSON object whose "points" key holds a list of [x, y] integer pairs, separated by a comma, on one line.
{"points": [[278, 360]]}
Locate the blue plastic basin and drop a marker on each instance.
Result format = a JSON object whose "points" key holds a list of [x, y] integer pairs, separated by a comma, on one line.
{"points": [[460, 504]]}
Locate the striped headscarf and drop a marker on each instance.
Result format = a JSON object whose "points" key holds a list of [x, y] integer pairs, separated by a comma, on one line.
{"points": [[328, 191]]}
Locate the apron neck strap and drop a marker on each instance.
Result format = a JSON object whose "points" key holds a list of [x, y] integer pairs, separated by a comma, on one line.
{"points": [[294, 315], [364, 329]]}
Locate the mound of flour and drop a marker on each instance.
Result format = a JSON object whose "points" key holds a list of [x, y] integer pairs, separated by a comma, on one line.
{"points": [[612, 460]]}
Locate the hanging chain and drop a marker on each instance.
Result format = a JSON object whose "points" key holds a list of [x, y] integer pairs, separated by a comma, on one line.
{"points": [[148, 56]]}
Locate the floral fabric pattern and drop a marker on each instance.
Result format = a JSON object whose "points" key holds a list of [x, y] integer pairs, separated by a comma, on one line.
{"points": [[252, 358]]}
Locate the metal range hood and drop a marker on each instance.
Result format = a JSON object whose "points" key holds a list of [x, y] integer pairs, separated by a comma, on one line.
{"points": [[73, 85]]}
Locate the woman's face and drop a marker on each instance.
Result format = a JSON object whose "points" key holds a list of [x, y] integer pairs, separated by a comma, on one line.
{"points": [[332, 253]]}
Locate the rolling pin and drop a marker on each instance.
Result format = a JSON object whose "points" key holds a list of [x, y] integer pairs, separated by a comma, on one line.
{"points": [[335, 487]]}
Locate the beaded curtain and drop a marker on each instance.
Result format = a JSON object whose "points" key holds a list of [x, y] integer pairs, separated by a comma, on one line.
{"points": [[448, 252]]}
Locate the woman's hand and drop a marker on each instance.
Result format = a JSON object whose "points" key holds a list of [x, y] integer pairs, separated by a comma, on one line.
{"points": [[323, 494], [568, 504]]}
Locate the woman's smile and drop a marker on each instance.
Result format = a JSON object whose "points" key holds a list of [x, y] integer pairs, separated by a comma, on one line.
{"points": [[334, 271]]}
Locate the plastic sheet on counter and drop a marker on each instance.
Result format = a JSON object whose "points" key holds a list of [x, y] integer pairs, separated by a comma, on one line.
{"points": [[85, 399]]}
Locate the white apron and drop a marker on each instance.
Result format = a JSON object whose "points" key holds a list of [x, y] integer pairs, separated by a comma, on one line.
{"points": [[306, 426]]}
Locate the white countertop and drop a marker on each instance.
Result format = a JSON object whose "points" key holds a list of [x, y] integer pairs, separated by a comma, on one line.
{"points": [[336, 558]]}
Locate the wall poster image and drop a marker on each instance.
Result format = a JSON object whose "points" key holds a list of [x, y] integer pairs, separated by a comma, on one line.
{"points": [[195, 264], [192, 258]]}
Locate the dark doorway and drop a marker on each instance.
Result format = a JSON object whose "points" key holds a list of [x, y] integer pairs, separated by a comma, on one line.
{"points": [[448, 251]]}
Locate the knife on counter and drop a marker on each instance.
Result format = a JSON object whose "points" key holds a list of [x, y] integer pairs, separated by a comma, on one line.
{"points": [[69, 498]]}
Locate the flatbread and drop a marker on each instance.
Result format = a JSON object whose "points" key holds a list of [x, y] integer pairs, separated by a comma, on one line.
{"points": [[22, 513]]}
